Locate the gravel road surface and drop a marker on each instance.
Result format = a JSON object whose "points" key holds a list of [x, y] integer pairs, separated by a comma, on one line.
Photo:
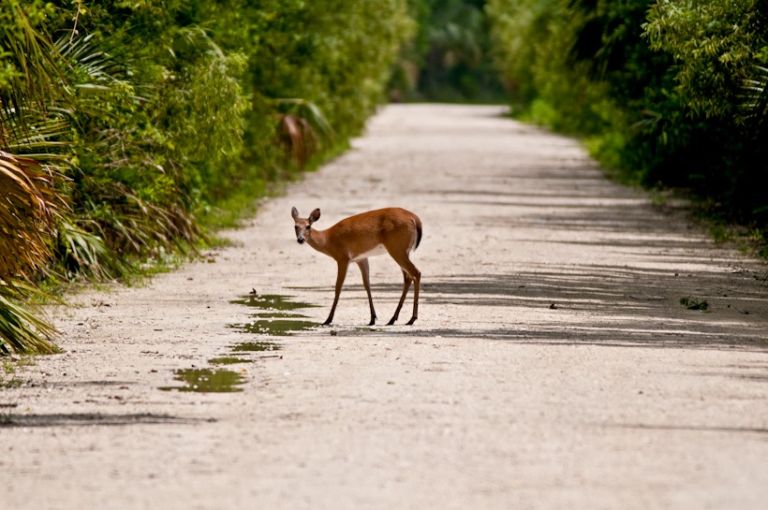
{"points": [[552, 365]]}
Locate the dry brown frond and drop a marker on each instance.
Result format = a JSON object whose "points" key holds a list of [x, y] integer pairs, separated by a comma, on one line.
{"points": [[28, 207]]}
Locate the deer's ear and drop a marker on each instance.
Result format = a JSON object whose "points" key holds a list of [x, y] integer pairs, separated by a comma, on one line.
{"points": [[294, 213], [314, 216]]}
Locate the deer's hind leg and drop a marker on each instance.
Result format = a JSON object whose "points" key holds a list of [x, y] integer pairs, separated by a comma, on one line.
{"points": [[411, 273], [416, 275], [406, 286]]}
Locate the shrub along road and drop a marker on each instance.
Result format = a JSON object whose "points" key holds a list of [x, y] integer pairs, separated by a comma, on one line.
{"points": [[553, 364]]}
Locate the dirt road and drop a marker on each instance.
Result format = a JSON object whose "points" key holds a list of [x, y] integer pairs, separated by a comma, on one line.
{"points": [[552, 365]]}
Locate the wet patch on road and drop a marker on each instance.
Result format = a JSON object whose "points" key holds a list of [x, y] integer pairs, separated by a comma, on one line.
{"points": [[275, 327], [256, 347], [206, 380], [279, 315], [277, 302], [275, 317], [228, 360]]}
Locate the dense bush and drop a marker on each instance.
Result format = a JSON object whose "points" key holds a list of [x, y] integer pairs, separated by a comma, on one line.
{"points": [[668, 92], [720, 52], [138, 118]]}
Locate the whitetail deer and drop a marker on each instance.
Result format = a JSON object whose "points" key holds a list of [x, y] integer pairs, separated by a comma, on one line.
{"points": [[354, 239]]}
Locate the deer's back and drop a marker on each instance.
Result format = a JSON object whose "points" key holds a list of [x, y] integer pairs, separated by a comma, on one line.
{"points": [[366, 231]]}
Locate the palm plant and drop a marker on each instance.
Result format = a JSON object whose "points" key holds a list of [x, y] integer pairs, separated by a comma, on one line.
{"points": [[28, 209], [29, 203]]}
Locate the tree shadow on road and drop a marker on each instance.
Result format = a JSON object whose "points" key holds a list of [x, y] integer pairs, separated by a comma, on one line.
{"points": [[686, 428], [90, 419], [601, 305]]}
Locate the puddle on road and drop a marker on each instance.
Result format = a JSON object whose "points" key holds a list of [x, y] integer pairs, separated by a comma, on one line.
{"points": [[228, 360], [275, 318], [256, 347], [206, 380], [275, 327], [279, 315], [271, 302]]}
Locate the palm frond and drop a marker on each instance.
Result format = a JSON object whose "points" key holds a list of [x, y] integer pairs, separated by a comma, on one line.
{"points": [[41, 141], [84, 253], [22, 328], [755, 102], [28, 210], [132, 225]]}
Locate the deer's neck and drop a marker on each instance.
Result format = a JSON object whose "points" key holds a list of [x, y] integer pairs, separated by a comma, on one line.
{"points": [[318, 239]]}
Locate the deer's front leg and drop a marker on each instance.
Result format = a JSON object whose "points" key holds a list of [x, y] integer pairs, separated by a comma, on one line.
{"points": [[342, 273], [364, 270]]}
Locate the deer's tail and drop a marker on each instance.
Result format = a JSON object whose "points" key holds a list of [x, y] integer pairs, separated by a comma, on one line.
{"points": [[418, 233]]}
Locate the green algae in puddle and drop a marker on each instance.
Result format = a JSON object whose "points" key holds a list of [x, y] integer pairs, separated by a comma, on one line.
{"points": [[276, 327], [256, 347], [271, 302], [279, 315], [228, 360], [206, 380]]}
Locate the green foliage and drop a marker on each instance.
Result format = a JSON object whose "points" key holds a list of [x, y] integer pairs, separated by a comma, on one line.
{"points": [[669, 92], [205, 113], [713, 48], [716, 48], [28, 69], [533, 40]]}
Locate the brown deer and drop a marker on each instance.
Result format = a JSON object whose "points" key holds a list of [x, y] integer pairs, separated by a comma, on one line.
{"points": [[354, 239]]}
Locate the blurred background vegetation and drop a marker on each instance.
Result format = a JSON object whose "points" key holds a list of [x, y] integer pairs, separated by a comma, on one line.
{"points": [[448, 59], [130, 128]]}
